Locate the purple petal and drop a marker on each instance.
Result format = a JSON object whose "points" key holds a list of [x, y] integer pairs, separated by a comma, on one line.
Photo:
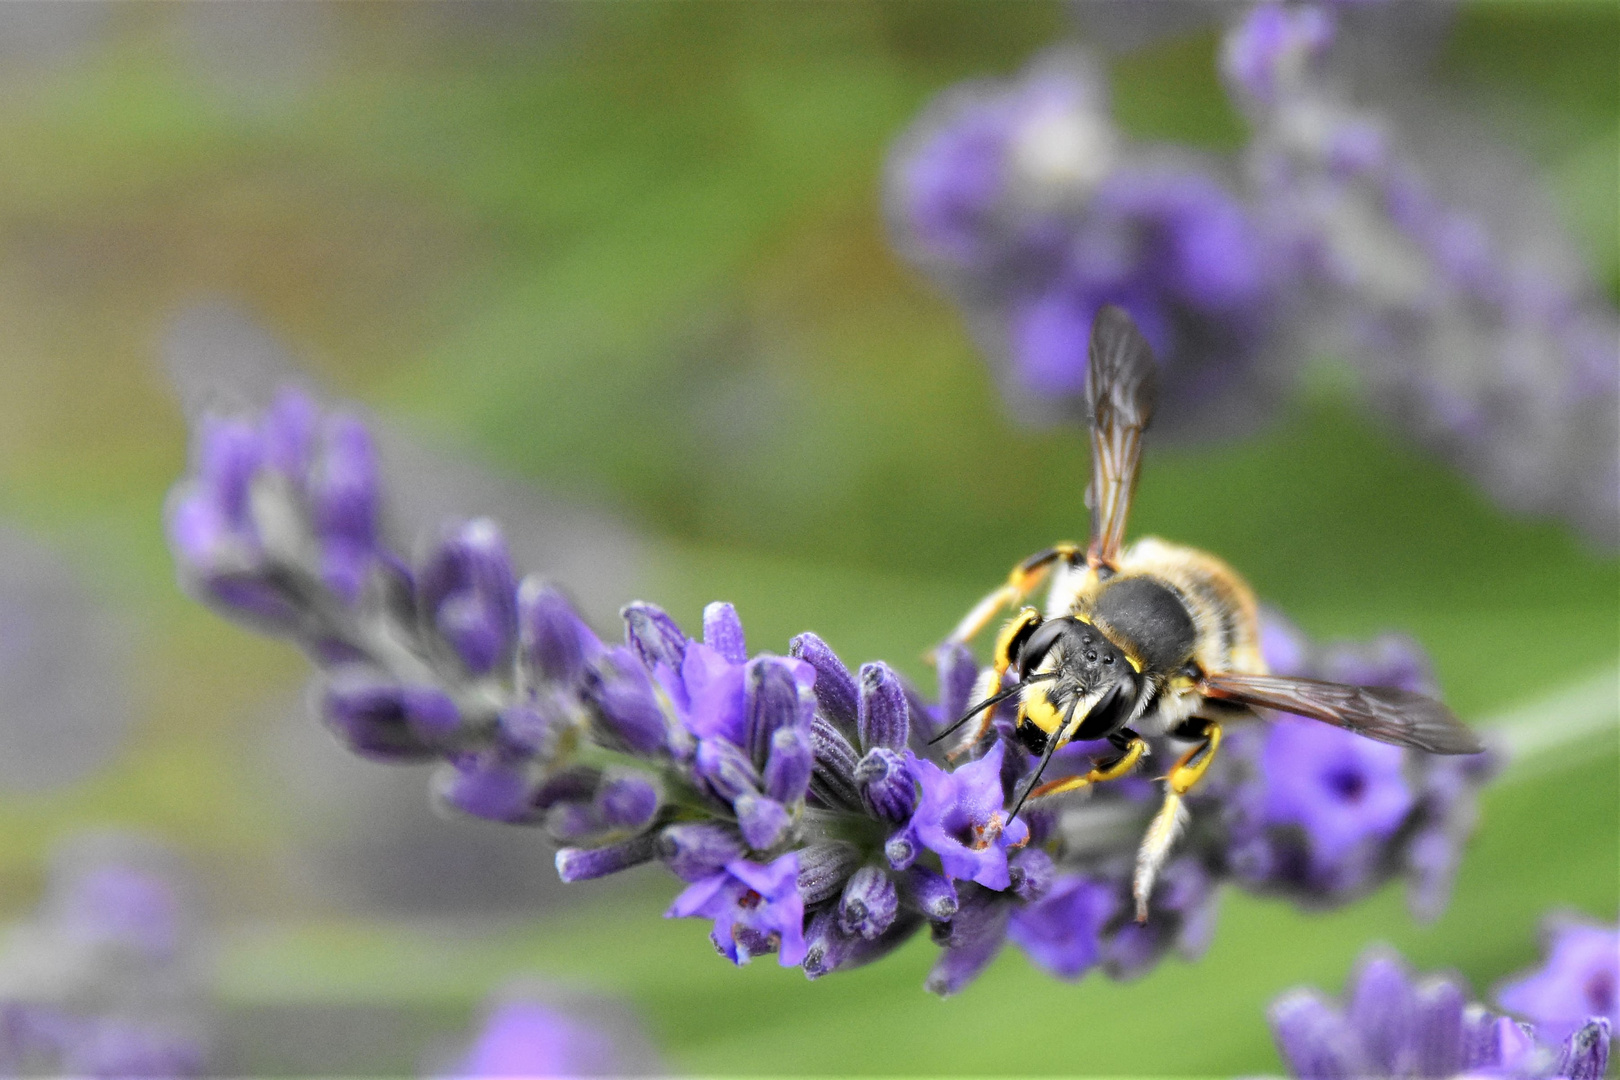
{"points": [[696, 851]]}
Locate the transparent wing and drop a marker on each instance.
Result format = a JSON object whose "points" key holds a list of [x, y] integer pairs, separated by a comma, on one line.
{"points": [[1391, 716], [1121, 387]]}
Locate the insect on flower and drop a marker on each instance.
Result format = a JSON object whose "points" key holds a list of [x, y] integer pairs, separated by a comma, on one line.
{"points": [[1151, 639]]}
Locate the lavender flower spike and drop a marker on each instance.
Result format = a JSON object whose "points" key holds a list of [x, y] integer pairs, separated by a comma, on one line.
{"points": [[1395, 1026], [797, 801]]}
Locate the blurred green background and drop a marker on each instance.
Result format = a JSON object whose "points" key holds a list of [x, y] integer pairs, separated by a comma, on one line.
{"points": [[632, 254]]}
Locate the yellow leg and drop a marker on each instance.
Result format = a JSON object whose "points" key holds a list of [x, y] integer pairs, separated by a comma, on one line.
{"points": [[1111, 770], [1167, 824], [1195, 762], [1025, 578]]}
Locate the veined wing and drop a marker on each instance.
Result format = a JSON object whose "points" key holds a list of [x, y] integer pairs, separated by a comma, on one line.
{"points": [[1121, 387], [1391, 716]]}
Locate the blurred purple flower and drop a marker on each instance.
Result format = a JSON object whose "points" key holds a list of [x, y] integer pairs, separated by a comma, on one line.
{"points": [[1341, 790], [1022, 201], [1580, 980], [522, 1038], [103, 981], [1062, 931], [1391, 1025]]}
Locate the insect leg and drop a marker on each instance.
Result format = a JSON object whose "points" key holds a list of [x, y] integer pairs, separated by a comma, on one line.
{"points": [[1167, 824], [1132, 747], [1025, 578]]}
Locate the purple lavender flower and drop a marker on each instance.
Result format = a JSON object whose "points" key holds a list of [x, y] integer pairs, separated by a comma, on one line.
{"points": [[962, 817], [1579, 981], [1324, 815], [276, 510], [1391, 1025], [756, 909], [1022, 202], [1461, 300], [1342, 791]]}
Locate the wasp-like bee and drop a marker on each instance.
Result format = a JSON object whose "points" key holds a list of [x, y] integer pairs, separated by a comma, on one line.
{"points": [[1154, 639]]}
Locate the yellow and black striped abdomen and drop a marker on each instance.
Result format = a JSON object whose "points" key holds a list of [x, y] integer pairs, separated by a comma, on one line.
{"points": [[1224, 634]]}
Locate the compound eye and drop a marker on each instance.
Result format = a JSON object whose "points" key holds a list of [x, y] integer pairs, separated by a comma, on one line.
{"points": [[1039, 644]]}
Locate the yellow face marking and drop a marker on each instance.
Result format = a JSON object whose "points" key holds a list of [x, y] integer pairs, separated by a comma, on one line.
{"points": [[1038, 710]]}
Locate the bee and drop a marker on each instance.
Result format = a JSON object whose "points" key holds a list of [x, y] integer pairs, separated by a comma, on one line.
{"points": [[1154, 639]]}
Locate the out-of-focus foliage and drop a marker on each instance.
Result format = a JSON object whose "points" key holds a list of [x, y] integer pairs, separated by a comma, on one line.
{"points": [[634, 254]]}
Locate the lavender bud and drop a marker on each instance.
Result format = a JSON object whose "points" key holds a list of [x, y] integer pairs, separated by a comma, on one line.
{"points": [[1314, 1040], [829, 948], [833, 778], [726, 768], [1586, 1053], [835, 687], [490, 789], [763, 821], [344, 500], [723, 632], [1437, 1023], [627, 801], [581, 864], [787, 770], [772, 700], [869, 903], [823, 869], [653, 635], [901, 849], [886, 785], [933, 894], [697, 850], [620, 697], [555, 642], [467, 589], [287, 430], [382, 720], [882, 717]]}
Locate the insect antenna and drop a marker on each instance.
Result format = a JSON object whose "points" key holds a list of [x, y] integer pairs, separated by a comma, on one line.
{"points": [[992, 701], [1046, 759]]}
